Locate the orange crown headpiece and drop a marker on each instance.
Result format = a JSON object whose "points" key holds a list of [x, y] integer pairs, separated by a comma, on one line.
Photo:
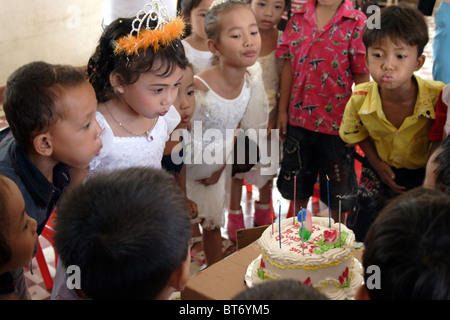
{"points": [[167, 29]]}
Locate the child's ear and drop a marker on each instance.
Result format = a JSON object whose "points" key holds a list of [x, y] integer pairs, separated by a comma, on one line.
{"points": [[420, 62], [116, 81], [181, 276], [212, 46], [42, 144], [186, 18]]}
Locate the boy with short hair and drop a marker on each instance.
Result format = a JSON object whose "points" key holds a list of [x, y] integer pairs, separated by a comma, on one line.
{"points": [[128, 232], [390, 117], [50, 110]]}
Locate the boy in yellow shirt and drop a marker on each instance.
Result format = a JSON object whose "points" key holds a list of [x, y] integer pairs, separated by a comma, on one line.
{"points": [[390, 117]]}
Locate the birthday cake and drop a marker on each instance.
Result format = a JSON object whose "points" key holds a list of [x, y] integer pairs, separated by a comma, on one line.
{"points": [[315, 251]]}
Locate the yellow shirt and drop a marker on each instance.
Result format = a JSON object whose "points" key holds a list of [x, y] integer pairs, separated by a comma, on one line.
{"points": [[405, 147]]}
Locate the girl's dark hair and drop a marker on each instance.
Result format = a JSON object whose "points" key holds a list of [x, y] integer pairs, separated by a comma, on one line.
{"points": [[5, 250], [31, 94], [400, 24], [104, 61]]}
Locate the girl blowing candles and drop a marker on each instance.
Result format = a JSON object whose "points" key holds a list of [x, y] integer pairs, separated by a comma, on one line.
{"points": [[222, 98], [135, 70], [136, 80]]}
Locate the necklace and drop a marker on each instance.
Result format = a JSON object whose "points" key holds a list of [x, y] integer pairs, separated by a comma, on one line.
{"points": [[146, 134]]}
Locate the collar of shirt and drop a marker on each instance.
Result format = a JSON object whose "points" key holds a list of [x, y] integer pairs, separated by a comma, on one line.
{"points": [[41, 190], [423, 107]]}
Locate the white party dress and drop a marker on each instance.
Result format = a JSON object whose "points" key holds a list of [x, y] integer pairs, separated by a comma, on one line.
{"points": [[212, 138], [125, 152], [200, 60]]}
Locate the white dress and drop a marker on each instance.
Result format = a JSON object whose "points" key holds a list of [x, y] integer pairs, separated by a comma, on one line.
{"points": [[125, 152], [212, 137], [200, 60]]}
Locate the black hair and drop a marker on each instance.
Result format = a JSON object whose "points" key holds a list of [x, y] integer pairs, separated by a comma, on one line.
{"points": [[281, 290], [31, 94], [105, 61], [127, 230], [400, 24], [409, 242]]}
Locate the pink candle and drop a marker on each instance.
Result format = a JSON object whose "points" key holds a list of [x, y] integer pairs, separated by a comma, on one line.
{"points": [[295, 196]]}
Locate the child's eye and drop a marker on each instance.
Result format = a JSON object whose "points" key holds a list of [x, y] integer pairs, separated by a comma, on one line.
{"points": [[401, 56], [190, 92], [236, 36], [87, 125], [254, 33], [26, 225], [261, 4], [377, 55], [157, 91]]}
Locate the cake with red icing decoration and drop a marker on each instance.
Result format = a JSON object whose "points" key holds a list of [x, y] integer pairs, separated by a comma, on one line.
{"points": [[315, 251]]}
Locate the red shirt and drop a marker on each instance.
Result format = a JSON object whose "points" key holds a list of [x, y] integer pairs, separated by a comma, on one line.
{"points": [[323, 64], [437, 129]]}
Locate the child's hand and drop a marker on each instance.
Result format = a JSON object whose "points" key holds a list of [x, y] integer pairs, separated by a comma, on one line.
{"points": [[212, 179], [192, 207], [387, 176], [282, 125]]}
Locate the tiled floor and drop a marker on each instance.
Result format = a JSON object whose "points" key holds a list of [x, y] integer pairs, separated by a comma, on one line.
{"points": [[33, 276]]}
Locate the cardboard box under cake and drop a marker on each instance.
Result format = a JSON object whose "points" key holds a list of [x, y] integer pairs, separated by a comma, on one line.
{"points": [[225, 279]]}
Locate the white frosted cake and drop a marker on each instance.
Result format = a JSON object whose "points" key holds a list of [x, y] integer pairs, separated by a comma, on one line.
{"points": [[323, 259]]}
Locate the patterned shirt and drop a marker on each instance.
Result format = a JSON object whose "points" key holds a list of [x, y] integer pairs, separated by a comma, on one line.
{"points": [[323, 63]]}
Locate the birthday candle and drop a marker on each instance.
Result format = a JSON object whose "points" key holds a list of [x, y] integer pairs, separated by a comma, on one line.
{"points": [[339, 220], [279, 221], [329, 209], [305, 217], [295, 193]]}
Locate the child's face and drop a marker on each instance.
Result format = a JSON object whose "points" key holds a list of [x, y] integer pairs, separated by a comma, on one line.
{"points": [[152, 95], [329, 3], [391, 64], [185, 102], [76, 137], [239, 41], [197, 19], [21, 235], [268, 12]]}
